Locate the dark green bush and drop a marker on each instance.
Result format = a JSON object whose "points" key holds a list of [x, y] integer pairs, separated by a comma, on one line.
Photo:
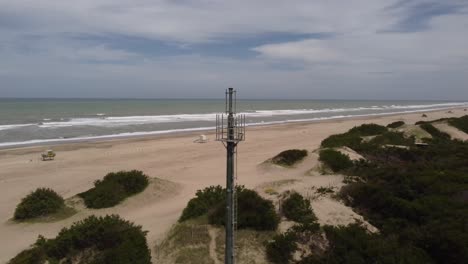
{"points": [[282, 247], [411, 196], [205, 200], [41, 202], [105, 240], [298, 209], [340, 140], [396, 124], [392, 138], [435, 133], [289, 157], [368, 130], [460, 123], [352, 244], [115, 187], [336, 160], [253, 212], [35, 255], [353, 138]]}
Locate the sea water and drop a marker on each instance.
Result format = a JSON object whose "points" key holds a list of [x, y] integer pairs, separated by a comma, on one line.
{"points": [[43, 121]]}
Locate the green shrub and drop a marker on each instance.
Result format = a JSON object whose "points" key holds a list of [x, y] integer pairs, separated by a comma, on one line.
{"points": [[298, 209], [336, 160], [460, 123], [282, 247], [352, 244], [353, 138], [340, 140], [205, 200], [115, 187], [108, 239], [435, 133], [392, 138], [396, 124], [252, 212], [289, 157], [41, 202], [368, 130], [35, 255]]}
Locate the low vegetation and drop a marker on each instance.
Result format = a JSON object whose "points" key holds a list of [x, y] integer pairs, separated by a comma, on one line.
{"points": [[353, 244], [336, 160], [324, 190], [392, 138], [204, 201], [106, 240], [40, 203], [341, 140], [282, 247], [353, 138], [254, 211], [396, 124], [368, 130], [435, 133], [460, 123], [187, 242], [296, 208], [114, 188], [289, 157], [416, 197]]}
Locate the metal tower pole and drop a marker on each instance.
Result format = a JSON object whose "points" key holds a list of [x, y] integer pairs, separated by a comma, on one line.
{"points": [[230, 147], [230, 133]]}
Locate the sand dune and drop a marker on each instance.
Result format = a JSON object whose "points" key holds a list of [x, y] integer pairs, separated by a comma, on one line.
{"points": [[179, 167]]}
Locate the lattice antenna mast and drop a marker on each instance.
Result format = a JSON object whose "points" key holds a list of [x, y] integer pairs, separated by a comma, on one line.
{"points": [[230, 130]]}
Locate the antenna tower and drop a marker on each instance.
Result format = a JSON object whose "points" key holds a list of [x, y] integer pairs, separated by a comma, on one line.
{"points": [[230, 130]]}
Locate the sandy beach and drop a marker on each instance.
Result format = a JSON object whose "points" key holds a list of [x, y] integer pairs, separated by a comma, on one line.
{"points": [[180, 166]]}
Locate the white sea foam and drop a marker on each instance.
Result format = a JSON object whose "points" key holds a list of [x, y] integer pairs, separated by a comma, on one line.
{"points": [[156, 119], [121, 135], [6, 127], [260, 123], [119, 121]]}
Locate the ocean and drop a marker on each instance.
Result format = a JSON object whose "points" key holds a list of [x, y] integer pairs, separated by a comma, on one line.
{"points": [[25, 122]]}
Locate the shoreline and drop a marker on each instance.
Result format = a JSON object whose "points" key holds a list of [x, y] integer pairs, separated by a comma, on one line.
{"points": [[151, 135]]}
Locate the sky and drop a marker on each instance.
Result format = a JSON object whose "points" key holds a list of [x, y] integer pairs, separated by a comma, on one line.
{"points": [[304, 49]]}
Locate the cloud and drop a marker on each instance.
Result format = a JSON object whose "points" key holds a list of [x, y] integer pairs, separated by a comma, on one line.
{"points": [[441, 48], [272, 48], [310, 50], [416, 15]]}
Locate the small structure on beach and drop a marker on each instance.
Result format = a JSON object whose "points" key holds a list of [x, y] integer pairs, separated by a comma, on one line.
{"points": [[48, 155], [201, 139]]}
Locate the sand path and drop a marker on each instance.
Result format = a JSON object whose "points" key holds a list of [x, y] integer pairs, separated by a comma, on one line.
{"points": [[454, 132], [213, 233], [184, 166]]}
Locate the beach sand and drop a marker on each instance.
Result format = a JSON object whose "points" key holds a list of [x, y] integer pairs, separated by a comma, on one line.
{"points": [[180, 166]]}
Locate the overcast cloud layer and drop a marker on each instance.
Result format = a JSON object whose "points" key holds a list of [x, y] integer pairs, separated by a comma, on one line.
{"points": [[372, 49]]}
